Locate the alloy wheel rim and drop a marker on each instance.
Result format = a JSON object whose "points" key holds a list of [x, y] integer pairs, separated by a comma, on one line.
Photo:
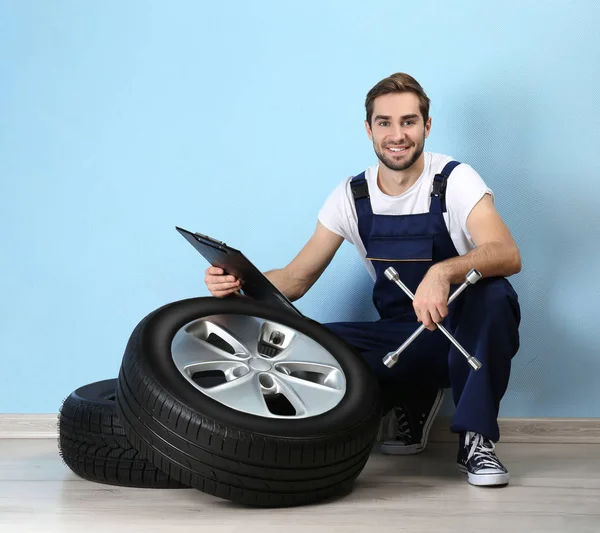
{"points": [[258, 366]]}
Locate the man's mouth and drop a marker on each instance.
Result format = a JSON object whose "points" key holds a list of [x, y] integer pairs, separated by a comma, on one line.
{"points": [[397, 149]]}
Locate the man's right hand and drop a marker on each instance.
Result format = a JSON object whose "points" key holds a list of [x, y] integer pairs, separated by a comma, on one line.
{"points": [[220, 284]]}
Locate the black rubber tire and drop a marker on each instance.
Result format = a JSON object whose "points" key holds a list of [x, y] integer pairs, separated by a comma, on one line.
{"points": [[92, 442], [240, 457]]}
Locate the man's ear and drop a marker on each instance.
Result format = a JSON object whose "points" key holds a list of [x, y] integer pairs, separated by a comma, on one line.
{"points": [[369, 132], [428, 127]]}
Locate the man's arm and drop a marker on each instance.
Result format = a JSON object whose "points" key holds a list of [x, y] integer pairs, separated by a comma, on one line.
{"points": [[496, 253], [295, 279]]}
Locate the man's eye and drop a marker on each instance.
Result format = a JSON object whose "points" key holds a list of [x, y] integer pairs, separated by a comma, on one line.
{"points": [[384, 123], [408, 122]]}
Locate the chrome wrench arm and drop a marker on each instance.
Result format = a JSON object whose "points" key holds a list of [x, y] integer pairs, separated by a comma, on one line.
{"points": [[392, 358]]}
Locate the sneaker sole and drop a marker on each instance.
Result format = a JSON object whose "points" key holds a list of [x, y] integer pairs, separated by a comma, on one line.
{"points": [[392, 448], [484, 480]]}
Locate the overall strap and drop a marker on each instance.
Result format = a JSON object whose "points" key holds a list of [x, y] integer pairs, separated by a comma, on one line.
{"points": [[438, 194], [364, 211]]}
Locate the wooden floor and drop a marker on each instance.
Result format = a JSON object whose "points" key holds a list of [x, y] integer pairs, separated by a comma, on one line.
{"points": [[554, 488]]}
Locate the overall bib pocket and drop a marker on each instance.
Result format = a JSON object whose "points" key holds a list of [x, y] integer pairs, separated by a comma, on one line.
{"points": [[401, 249]]}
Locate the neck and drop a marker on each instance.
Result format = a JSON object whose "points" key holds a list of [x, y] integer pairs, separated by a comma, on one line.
{"points": [[395, 182]]}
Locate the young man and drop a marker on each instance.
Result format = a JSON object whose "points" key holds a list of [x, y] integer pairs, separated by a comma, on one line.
{"points": [[433, 220]]}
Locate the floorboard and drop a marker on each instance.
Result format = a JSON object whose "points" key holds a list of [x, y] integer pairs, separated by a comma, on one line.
{"points": [[554, 488]]}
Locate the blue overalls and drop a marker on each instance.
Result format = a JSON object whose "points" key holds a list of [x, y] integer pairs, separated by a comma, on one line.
{"points": [[484, 319]]}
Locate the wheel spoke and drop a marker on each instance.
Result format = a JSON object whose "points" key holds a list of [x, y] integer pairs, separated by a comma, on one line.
{"points": [[303, 349], [242, 332], [331, 374], [188, 349], [306, 396]]}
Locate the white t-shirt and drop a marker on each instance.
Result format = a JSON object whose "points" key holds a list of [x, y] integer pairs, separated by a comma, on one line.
{"points": [[464, 189]]}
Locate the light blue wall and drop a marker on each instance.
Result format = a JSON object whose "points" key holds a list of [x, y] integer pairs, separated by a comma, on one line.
{"points": [[120, 120]]}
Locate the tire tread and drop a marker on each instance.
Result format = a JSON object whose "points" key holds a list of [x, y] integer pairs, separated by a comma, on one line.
{"points": [[93, 444]]}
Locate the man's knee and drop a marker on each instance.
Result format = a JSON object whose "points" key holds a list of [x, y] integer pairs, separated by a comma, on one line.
{"points": [[491, 310], [494, 294]]}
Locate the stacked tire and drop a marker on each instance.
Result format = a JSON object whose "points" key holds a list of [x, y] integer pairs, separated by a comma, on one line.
{"points": [[93, 444], [243, 401]]}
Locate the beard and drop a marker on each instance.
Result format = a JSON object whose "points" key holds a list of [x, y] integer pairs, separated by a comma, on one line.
{"points": [[399, 165]]}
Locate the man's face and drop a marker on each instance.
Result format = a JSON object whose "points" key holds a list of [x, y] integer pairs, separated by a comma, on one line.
{"points": [[397, 130]]}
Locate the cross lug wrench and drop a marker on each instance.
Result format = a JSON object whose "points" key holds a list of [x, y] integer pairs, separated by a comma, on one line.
{"points": [[392, 358]]}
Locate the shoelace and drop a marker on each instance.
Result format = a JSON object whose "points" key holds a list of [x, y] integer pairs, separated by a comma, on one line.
{"points": [[480, 451], [402, 425]]}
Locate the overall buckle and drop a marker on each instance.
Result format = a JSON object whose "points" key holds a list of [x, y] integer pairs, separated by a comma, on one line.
{"points": [[360, 189], [439, 185]]}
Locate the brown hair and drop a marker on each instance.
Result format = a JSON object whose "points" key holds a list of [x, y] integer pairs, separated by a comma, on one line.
{"points": [[397, 83]]}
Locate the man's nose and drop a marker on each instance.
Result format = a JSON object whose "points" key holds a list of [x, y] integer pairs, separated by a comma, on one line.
{"points": [[397, 134]]}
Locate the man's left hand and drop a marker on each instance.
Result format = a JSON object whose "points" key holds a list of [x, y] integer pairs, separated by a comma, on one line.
{"points": [[431, 299]]}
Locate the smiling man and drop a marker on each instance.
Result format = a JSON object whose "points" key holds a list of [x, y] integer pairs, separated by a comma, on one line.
{"points": [[433, 219]]}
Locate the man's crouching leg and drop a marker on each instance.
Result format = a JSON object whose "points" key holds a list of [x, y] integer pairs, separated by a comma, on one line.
{"points": [[411, 392], [486, 325]]}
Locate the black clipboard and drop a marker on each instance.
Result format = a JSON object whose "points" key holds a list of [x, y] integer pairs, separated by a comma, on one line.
{"points": [[256, 284]]}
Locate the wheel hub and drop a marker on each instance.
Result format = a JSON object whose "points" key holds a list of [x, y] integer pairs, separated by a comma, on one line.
{"points": [[256, 363]]}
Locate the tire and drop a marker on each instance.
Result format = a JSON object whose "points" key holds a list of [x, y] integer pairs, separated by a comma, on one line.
{"points": [[222, 451], [93, 445]]}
